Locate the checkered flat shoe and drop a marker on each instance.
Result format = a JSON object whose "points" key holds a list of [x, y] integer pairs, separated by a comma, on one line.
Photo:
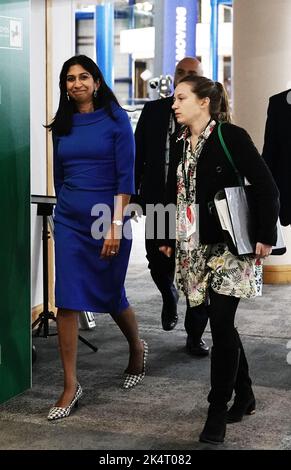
{"points": [[131, 380], [57, 412]]}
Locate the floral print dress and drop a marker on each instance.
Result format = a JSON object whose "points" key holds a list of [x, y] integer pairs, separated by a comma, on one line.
{"points": [[199, 266]]}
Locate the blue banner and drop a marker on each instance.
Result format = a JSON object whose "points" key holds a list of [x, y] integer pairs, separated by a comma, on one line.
{"points": [[180, 18], [104, 20]]}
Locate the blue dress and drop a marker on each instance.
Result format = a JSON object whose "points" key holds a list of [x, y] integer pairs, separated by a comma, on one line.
{"points": [[92, 164]]}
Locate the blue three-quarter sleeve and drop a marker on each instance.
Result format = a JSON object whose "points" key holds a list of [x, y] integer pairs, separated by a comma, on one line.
{"points": [[124, 155]]}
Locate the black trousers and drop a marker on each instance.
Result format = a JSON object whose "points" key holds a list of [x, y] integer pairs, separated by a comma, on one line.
{"points": [[162, 270]]}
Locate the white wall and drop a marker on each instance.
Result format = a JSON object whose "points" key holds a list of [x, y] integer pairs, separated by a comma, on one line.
{"points": [[63, 40]]}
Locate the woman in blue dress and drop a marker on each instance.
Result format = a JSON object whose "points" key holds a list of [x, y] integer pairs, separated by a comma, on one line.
{"points": [[93, 176]]}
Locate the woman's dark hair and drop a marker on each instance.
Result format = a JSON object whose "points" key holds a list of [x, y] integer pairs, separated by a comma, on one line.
{"points": [[205, 88], [63, 120]]}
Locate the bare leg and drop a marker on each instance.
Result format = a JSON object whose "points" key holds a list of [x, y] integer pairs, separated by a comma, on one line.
{"points": [[67, 324], [128, 325]]}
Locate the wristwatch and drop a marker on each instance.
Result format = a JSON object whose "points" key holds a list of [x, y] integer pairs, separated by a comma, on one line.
{"points": [[119, 223]]}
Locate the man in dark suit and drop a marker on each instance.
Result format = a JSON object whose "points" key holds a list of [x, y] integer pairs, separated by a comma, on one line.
{"points": [[277, 149], [153, 153]]}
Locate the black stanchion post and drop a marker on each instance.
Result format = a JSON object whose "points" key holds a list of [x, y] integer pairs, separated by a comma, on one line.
{"points": [[45, 206]]}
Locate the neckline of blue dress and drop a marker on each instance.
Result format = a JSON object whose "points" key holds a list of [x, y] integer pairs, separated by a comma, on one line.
{"points": [[82, 119]]}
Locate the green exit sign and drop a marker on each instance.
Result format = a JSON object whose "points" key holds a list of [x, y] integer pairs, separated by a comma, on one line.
{"points": [[10, 33]]}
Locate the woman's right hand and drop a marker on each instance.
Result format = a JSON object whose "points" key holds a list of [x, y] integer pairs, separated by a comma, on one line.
{"points": [[166, 250], [111, 242]]}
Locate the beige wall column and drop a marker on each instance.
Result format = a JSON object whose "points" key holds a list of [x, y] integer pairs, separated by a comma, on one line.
{"points": [[262, 68]]}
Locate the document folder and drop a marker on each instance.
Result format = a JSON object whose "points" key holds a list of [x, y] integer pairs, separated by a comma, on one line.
{"points": [[236, 214]]}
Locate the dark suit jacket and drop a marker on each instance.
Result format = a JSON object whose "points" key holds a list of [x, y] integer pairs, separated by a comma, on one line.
{"points": [[277, 149], [214, 172], [150, 139]]}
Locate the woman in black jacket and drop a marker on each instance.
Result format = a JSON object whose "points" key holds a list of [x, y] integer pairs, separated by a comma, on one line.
{"points": [[207, 273]]}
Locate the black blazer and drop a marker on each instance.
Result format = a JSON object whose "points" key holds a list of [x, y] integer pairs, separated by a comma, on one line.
{"points": [[150, 139], [214, 172], [277, 149]]}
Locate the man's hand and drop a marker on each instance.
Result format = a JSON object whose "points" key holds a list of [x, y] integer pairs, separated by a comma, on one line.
{"points": [[166, 250]]}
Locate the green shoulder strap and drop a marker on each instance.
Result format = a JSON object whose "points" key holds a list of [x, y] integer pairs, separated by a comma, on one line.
{"points": [[227, 153]]}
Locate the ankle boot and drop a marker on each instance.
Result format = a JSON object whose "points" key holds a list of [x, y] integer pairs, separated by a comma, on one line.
{"points": [[244, 401], [215, 426], [224, 365], [241, 407]]}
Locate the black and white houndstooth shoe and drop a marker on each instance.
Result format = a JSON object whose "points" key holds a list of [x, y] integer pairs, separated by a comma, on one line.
{"points": [[131, 380], [57, 412]]}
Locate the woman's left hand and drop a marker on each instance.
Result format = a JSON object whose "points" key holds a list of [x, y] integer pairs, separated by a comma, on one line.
{"points": [[262, 250], [112, 242]]}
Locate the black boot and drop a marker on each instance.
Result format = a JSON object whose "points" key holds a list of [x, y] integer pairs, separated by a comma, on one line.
{"points": [[240, 408], [224, 365], [215, 426], [244, 400]]}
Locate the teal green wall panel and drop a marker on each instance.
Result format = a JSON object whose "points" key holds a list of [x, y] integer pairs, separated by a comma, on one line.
{"points": [[15, 310]]}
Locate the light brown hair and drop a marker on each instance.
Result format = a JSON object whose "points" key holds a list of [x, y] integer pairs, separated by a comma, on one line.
{"points": [[205, 88]]}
